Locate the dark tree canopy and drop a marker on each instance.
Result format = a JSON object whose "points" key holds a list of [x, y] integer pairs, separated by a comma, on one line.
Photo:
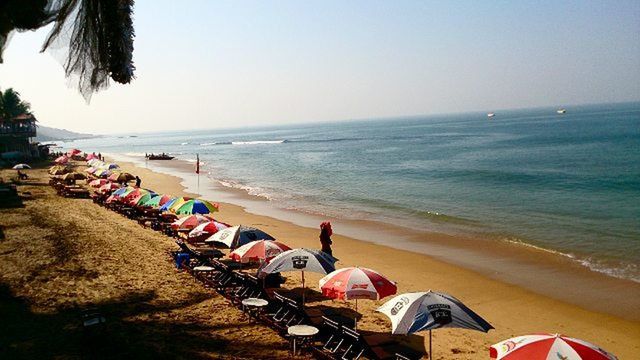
{"points": [[96, 34], [11, 105]]}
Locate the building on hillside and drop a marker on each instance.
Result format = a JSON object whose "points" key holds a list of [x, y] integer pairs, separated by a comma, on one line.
{"points": [[16, 137]]}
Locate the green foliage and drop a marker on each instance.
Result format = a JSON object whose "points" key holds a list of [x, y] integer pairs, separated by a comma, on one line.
{"points": [[11, 105]]}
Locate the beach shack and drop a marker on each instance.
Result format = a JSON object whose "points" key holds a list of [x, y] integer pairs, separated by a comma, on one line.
{"points": [[16, 137]]}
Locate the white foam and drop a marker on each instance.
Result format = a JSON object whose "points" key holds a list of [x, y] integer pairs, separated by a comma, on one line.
{"points": [[257, 142]]}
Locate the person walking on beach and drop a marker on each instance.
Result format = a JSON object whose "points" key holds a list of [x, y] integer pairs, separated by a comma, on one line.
{"points": [[325, 237], [138, 181]]}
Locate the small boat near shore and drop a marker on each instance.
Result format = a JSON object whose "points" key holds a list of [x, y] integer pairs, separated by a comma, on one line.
{"points": [[491, 115], [162, 156], [561, 111]]}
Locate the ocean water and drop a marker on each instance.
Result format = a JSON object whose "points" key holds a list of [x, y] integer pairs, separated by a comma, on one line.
{"points": [[565, 183]]}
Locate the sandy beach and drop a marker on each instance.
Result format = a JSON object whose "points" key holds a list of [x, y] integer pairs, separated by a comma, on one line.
{"points": [[60, 254]]}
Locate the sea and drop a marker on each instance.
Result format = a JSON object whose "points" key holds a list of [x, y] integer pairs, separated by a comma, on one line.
{"points": [[564, 183]]}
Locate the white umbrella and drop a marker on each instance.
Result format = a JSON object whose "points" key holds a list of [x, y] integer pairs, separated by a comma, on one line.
{"points": [[547, 346], [301, 260], [413, 312], [236, 236], [21, 167]]}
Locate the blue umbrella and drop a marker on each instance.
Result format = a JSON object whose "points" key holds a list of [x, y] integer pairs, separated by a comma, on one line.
{"points": [[120, 191], [168, 204]]}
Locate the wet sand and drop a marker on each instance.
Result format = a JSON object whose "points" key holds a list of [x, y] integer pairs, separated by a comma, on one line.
{"points": [[608, 317]]}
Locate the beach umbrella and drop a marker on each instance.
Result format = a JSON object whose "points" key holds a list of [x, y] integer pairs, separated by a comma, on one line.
{"points": [[179, 202], [61, 160], [104, 173], [208, 228], [237, 236], [196, 207], [413, 312], [21, 167], [91, 157], [167, 205], [123, 191], [190, 222], [95, 162], [129, 196], [73, 152], [108, 187], [121, 177], [111, 166], [547, 346], [98, 182], [58, 170], [300, 260], [90, 170], [158, 201], [256, 251], [142, 198], [74, 176], [356, 283]]}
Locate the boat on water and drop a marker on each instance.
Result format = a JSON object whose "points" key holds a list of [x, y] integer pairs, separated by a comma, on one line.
{"points": [[561, 111], [491, 115], [162, 156]]}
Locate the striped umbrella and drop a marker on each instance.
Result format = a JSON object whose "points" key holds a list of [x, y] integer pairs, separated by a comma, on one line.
{"points": [[158, 201], [190, 222], [129, 197], [413, 312], [239, 235], [208, 228], [121, 177], [108, 187], [301, 260], [123, 191], [547, 346], [196, 207], [167, 206], [256, 251], [98, 182], [142, 198], [104, 173], [178, 203], [356, 283]]}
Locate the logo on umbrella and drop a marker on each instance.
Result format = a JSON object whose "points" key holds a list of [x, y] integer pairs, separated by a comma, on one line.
{"points": [[224, 235], [441, 313], [399, 305], [359, 286], [300, 262]]}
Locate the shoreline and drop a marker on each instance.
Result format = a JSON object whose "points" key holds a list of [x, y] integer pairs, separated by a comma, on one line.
{"points": [[537, 270]]}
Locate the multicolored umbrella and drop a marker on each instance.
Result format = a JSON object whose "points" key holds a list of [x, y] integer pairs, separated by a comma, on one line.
{"points": [[413, 312], [236, 236], [74, 176], [158, 201], [166, 206], [21, 167], [108, 187], [123, 191], [142, 198], [98, 182], [209, 228], [196, 207], [190, 222], [103, 173], [121, 177], [128, 197], [256, 251], [178, 203], [95, 162], [547, 346]]}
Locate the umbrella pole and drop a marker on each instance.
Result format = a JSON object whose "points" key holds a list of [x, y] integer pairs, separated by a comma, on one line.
{"points": [[355, 317], [430, 351], [303, 288]]}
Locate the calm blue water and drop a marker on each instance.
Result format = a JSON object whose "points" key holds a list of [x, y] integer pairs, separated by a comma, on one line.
{"points": [[568, 183]]}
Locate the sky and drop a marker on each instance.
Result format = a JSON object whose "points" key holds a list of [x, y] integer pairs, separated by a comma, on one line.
{"points": [[217, 64]]}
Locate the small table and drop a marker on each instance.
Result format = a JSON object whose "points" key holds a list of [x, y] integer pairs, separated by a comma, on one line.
{"points": [[302, 334], [254, 306]]}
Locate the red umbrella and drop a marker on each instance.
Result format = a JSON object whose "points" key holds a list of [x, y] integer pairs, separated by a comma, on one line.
{"points": [[108, 187], [258, 250], [73, 152], [91, 156], [191, 221], [208, 228], [98, 182], [547, 346], [356, 283], [61, 160]]}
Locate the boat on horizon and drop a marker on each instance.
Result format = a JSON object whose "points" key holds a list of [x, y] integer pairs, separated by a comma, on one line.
{"points": [[491, 115], [561, 111]]}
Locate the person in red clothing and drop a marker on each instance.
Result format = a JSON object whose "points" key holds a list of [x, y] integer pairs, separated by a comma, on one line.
{"points": [[325, 237]]}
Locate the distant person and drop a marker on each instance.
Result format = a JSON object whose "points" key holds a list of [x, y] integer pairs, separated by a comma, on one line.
{"points": [[138, 181], [325, 237], [100, 156]]}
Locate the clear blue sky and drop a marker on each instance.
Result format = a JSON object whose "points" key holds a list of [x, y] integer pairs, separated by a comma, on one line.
{"points": [[207, 64]]}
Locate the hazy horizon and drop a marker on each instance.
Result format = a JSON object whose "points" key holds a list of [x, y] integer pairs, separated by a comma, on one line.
{"points": [[226, 65]]}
